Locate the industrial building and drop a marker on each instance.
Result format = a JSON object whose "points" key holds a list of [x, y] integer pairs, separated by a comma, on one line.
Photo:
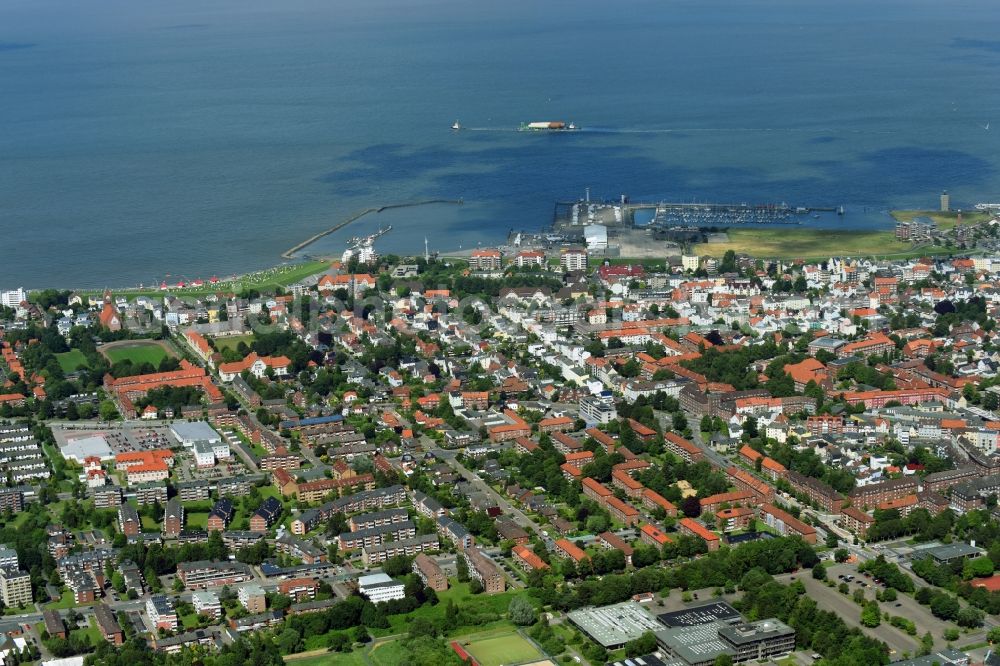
{"points": [[700, 645], [614, 626]]}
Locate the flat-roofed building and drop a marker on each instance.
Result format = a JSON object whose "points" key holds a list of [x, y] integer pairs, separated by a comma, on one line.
{"points": [[207, 573], [207, 603], [613, 626], [389, 549], [15, 587], [253, 598], [380, 587], [161, 612], [757, 641]]}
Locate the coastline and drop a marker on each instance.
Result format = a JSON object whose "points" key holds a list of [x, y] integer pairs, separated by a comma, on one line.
{"points": [[759, 242]]}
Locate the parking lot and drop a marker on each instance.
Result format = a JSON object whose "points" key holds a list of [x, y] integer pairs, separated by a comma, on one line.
{"points": [[121, 439], [830, 598]]}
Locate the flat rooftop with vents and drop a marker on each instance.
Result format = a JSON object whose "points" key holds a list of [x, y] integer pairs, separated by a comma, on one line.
{"points": [[716, 611], [613, 626]]}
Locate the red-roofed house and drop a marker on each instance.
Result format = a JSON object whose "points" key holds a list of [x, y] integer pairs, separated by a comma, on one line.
{"points": [[695, 529], [527, 559], [571, 550], [256, 365]]}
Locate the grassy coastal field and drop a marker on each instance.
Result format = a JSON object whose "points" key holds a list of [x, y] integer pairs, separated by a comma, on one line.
{"points": [[944, 220], [804, 243], [279, 276]]}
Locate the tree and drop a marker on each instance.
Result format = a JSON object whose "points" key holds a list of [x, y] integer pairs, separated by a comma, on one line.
{"points": [[645, 644], [691, 507], [521, 612], [723, 660], [870, 616], [978, 567], [819, 572], [994, 635], [421, 626], [288, 640], [841, 555], [970, 617]]}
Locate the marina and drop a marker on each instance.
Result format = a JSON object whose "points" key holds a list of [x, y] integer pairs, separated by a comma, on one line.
{"points": [[291, 252], [664, 215]]}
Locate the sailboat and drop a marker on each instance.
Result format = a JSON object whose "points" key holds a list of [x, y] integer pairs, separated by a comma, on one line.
{"points": [[456, 126]]}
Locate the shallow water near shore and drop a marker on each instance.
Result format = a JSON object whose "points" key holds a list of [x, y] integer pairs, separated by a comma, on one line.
{"points": [[142, 142]]}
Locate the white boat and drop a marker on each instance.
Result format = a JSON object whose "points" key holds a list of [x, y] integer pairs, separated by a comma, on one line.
{"points": [[456, 126]]}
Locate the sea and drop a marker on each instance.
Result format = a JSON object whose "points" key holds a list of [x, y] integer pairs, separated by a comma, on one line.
{"points": [[147, 141]]}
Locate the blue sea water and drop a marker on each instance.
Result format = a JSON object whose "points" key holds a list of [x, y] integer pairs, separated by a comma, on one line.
{"points": [[198, 137]]}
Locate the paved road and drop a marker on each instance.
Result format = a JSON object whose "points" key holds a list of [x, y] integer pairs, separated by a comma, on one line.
{"points": [[520, 518]]}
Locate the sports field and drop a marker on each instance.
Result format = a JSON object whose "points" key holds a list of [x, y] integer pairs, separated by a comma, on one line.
{"points": [[500, 649], [137, 352]]}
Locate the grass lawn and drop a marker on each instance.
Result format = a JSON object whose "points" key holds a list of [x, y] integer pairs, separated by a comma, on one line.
{"points": [[149, 524], [944, 220], [807, 243], [92, 633], [196, 520], [19, 519], [232, 341], [501, 648], [496, 603], [140, 352], [385, 654], [66, 601], [71, 360], [190, 620]]}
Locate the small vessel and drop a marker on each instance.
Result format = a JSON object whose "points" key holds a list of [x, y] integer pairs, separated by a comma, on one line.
{"points": [[547, 126], [456, 126]]}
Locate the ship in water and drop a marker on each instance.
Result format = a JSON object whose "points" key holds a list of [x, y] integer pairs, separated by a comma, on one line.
{"points": [[547, 126], [456, 126]]}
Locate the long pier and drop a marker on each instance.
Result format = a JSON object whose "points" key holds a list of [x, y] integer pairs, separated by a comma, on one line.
{"points": [[290, 252]]}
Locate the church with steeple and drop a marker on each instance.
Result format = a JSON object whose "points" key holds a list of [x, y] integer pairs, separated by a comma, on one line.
{"points": [[110, 319]]}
